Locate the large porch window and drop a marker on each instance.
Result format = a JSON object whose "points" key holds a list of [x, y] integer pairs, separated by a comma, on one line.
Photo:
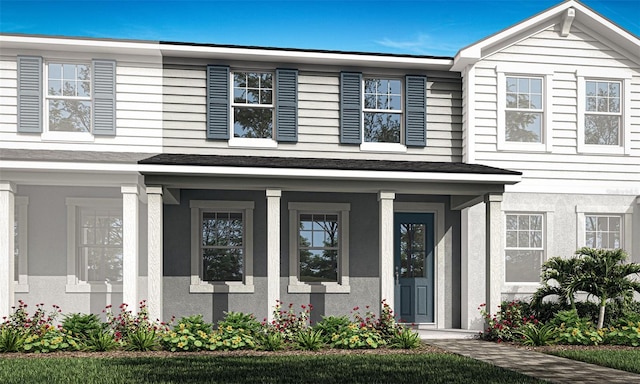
{"points": [[221, 246]]}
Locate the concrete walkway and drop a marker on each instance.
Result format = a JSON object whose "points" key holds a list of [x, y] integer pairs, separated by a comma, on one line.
{"points": [[539, 365]]}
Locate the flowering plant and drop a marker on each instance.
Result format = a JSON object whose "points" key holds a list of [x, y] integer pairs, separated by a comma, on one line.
{"points": [[506, 324]]}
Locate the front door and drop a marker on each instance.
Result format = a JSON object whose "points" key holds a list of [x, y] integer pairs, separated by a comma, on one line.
{"points": [[413, 264]]}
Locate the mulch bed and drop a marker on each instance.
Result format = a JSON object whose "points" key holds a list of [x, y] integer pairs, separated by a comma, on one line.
{"points": [[424, 348]]}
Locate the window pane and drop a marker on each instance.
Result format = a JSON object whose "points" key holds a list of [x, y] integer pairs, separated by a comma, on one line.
{"points": [[602, 130], [382, 127], [69, 115], [412, 250], [222, 264], [253, 122], [523, 265], [603, 231], [318, 265], [100, 245], [55, 87], [524, 126]]}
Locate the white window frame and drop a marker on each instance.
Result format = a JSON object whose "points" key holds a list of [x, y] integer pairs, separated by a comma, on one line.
{"points": [[544, 247], [544, 72], [198, 285], [74, 283], [245, 141], [623, 76], [21, 285], [342, 285], [625, 213], [61, 135], [384, 147]]}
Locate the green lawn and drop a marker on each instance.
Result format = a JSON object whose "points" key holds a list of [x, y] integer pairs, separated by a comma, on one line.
{"points": [[369, 369], [624, 359]]}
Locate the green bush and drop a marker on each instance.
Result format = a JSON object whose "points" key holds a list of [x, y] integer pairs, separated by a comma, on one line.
{"points": [[537, 334], [101, 341], [81, 325], [330, 325], [239, 320], [191, 333], [309, 339], [504, 325], [270, 340], [628, 334], [11, 340], [355, 336], [405, 338]]}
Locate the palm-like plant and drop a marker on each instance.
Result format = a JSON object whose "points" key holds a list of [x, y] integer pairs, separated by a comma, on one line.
{"points": [[563, 271], [605, 274]]}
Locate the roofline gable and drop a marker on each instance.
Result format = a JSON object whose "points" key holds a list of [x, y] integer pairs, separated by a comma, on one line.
{"points": [[563, 13]]}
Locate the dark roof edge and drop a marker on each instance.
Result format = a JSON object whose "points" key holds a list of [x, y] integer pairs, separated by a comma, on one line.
{"points": [[381, 54], [318, 163]]}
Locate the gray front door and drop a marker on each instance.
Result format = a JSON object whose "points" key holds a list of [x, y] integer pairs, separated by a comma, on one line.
{"points": [[414, 267]]}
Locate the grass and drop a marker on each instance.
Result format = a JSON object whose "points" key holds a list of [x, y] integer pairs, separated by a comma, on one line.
{"points": [[623, 359], [369, 369]]}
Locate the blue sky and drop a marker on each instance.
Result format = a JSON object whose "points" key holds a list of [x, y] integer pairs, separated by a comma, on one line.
{"points": [[424, 27]]}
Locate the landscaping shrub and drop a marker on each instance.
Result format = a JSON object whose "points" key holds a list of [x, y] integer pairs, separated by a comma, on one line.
{"points": [[288, 322], [405, 339], [504, 325], [309, 339], [270, 340], [357, 336], [191, 333], [330, 325], [80, 326]]}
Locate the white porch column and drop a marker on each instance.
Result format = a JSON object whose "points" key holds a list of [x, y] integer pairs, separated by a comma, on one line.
{"points": [[7, 246], [130, 249], [385, 200], [154, 252], [273, 249], [494, 251]]}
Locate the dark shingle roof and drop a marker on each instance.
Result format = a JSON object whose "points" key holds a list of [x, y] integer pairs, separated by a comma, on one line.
{"points": [[317, 163]]}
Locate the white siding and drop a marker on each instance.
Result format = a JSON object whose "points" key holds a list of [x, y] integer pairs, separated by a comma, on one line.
{"points": [[564, 56], [184, 117], [138, 107]]}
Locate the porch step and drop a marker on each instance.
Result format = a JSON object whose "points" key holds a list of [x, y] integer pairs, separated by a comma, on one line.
{"points": [[443, 334]]}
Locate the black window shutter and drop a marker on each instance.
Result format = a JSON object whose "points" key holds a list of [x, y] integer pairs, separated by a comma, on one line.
{"points": [[29, 94], [350, 108], [217, 102], [104, 97], [416, 111], [287, 105]]}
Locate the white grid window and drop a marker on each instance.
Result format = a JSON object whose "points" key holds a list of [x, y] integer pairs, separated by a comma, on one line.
{"points": [[603, 231], [525, 247], [382, 112], [318, 246], [68, 97], [524, 109], [603, 112], [252, 104], [100, 244], [222, 246]]}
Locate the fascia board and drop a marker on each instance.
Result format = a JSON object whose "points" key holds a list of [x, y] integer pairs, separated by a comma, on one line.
{"points": [[295, 173], [305, 57], [69, 44]]}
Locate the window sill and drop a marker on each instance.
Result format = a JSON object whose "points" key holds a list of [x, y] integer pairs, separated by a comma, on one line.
{"points": [[301, 287], [518, 146], [94, 288], [20, 288], [252, 143], [591, 149], [525, 288], [228, 287], [383, 147], [83, 137]]}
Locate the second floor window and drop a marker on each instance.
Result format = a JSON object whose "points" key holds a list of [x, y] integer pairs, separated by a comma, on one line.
{"points": [[382, 110], [524, 109], [252, 105], [68, 103], [602, 113], [603, 231]]}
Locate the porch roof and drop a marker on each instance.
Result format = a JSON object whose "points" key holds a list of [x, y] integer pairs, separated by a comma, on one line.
{"points": [[325, 164]]}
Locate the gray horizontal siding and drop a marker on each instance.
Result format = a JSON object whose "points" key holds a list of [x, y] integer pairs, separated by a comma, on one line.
{"points": [[184, 118]]}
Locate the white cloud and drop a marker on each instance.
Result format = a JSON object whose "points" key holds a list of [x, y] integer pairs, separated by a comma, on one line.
{"points": [[422, 44]]}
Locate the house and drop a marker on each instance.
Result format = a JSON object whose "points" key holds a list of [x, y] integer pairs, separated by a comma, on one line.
{"points": [[208, 178]]}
